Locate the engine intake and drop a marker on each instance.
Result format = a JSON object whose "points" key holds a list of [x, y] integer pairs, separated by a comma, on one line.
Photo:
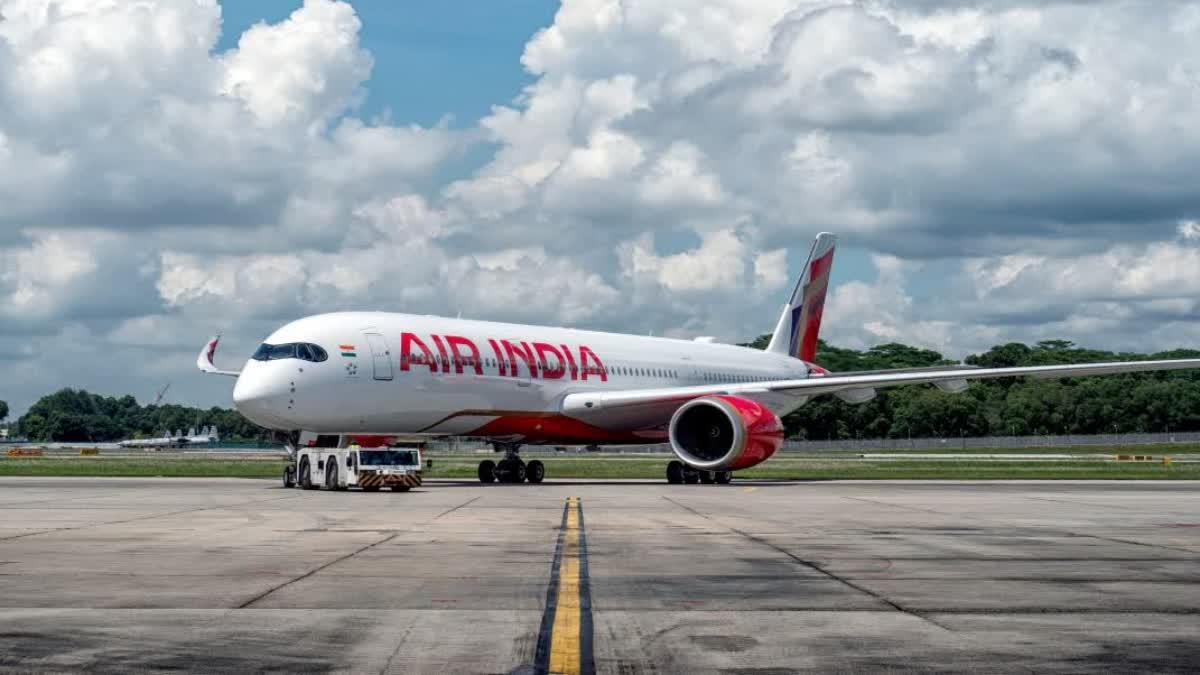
{"points": [[723, 433]]}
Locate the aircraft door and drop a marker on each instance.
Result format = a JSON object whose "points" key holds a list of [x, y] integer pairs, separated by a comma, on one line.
{"points": [[381, 356]]}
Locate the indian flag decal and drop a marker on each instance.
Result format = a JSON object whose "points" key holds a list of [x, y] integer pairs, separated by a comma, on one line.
{"points": [[348, 351]]}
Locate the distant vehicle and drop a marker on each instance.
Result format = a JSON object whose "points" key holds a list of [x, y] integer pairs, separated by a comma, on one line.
{"points": [[719, 406], [206, 436], [397, 468]]}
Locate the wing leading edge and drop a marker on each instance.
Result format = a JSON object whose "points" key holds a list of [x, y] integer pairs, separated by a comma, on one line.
{"points": [[781, 395]]}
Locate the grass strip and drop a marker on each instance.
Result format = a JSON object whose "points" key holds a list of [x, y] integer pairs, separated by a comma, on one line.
{"points": [[617, 468]]}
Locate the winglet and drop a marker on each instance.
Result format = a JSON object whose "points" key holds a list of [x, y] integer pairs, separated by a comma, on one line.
{"points": [[205, 360]]}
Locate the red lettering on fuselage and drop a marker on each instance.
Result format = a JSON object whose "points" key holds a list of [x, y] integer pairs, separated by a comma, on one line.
{"points": [[571, 362], [460, 359], [499, 357], [407, 340], [553, 362], [585, 355], [445, 359], [550, 371], [526, 355]]}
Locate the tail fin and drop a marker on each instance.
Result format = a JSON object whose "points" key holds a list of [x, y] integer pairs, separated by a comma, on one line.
{"points": [[798, 327]]}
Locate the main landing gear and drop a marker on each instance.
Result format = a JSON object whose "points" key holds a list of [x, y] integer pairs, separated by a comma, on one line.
{"points": [[511, 469], [678, 472]]}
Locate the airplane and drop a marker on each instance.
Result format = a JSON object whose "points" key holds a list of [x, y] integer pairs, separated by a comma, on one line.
{"points": [[206, 436], [371, 376]]}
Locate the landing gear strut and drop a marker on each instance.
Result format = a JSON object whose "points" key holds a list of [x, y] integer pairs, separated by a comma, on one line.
{"points": [[511, 469], [678, 472]]}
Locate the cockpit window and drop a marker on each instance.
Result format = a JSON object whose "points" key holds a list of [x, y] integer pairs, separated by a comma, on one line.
{"points": [[292, 350], [287, 351]]}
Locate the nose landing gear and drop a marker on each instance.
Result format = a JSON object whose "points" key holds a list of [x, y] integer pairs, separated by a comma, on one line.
{"points": [[678, 473], [511, 469]]}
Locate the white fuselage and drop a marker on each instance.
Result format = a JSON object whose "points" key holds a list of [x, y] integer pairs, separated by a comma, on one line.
{"points": [[400, 374]]}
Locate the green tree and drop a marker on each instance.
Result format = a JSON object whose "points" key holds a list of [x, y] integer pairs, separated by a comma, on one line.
{"points": [[3, 410], [73, 415]]}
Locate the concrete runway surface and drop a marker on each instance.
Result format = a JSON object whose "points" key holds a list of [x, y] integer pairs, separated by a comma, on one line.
{"points": [[114, 575]]}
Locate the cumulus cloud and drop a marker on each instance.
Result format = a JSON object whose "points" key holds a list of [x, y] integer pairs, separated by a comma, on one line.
{"points": [[1013, 169]]}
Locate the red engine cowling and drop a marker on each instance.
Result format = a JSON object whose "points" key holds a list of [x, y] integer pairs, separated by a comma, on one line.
{"points": [[723, 433]]}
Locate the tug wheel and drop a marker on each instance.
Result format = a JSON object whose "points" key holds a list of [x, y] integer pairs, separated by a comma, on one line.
{"points": [[306, 475]]}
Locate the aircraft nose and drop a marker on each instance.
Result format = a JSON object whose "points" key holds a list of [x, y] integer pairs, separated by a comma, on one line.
{"points": [[262, 399]]}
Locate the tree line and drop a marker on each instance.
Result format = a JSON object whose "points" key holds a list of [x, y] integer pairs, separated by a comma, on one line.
{"points": [[1135, 402], [73, 415]]}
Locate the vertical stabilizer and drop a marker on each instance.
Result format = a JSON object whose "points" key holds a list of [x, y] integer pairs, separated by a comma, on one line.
{"points": [[799, 326]]}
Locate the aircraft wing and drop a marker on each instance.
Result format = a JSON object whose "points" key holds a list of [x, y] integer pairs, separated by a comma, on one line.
{"points": [[654, 407], [205, 360]]}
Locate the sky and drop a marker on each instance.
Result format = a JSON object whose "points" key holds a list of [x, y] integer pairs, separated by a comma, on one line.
{"points": [[1010, 170]]}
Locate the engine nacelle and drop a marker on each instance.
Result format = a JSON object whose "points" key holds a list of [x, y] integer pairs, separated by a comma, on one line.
{"points": [[723, 433]]}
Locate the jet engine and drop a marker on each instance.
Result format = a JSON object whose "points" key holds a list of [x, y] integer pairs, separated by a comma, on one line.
{"points": [[724, 433]]}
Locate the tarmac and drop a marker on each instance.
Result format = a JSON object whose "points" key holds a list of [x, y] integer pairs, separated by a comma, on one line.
{"points": [[118, 575]]}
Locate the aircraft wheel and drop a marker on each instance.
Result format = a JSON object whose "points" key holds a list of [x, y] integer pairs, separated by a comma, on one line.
{"points": [[511, 470], [535, 471], [724, 477], [707, 477], [487, 471], [289, 476], [690, 475], [675, 472], [306, 475]]}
